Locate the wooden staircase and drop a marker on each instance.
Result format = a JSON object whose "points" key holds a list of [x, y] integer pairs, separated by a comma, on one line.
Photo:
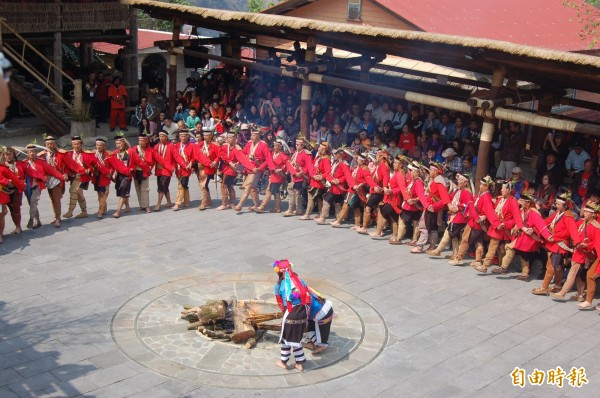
{"points": [[35, 88]]}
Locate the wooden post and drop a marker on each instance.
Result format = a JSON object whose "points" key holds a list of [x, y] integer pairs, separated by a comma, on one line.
{"points": [[365, 66], [487, 130], [57, 60], [173, 70], [538, 134], [306, 94], [131, 68], [77, 95]]}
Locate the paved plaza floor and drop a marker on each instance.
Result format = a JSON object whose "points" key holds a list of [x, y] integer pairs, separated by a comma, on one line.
{"points": [[92, 309]]}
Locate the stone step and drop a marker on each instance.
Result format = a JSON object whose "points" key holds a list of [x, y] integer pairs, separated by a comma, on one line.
{"points": [[27, 85], [18, 77], [37, 91], [45, 99]]}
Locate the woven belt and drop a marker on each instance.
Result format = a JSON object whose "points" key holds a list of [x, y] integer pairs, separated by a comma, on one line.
{"points": [[295, 321], [326, 320]]}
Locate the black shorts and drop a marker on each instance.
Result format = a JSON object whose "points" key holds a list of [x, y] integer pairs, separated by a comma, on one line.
{"points": [[527, 256], [388, 212], [431, 221], [409, 216], [477, 236], [374, 200], [229, 181], [123, 185], [84, 185], [185, 182], [99, 189], [209, 177], [557, 260], [275, 187], [299, 186], [162, 183], [456, 230]]}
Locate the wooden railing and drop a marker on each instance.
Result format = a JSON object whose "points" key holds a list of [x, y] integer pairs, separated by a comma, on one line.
{"points": [[17, 54]]}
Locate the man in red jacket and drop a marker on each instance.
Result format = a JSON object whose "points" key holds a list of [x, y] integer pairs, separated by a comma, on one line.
{"points": [[437, 199], [80, 177], [297, 166], [458, 217], [141, 180], [207, 173], [58, 159], [317, 171], [508, 213], [38, 173], [562, 227], [101, 175], [9, 183], [165, 164], [183, 154], [232, 158], [337, 185], [257, 151], [531, 235]]}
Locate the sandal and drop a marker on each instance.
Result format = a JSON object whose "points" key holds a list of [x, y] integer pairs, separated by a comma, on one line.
{"points": [[539, 291], [416, 250]]}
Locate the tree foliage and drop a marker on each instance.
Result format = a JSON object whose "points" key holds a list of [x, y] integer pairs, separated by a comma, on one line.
{"points": [[145, 21], [259, 5], [588, 15]]}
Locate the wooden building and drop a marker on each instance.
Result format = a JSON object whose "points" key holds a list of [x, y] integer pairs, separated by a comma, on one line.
{"points": [[32, 37]]}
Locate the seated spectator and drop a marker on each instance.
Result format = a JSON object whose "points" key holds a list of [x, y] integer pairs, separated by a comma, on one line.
{"points": [[365, 141], [467, 165], [352, 121], [393, 149], [431, 123], [388, 133], [192, 119], [324, 135], [195, 101], [457, 130], [385, 115], [367, 124], [253, 117], [217, 110], [170, 128], [584, 181], [446, 127], [576, 159], [339, 138], [415, 121], [400, 117], [545, 192], [434, 142], [453, 161], [552, 168], [521, 185], [378, 142], [356, 145], [291, 127], [148, 127], [407, 139], [330, 117], [275, 125]]}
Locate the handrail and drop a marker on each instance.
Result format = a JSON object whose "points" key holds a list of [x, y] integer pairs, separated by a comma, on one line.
{"points": [[35, 50], [44, 80]]}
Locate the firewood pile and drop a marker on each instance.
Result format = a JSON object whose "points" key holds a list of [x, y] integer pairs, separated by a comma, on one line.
{"points": [[238, 321]]}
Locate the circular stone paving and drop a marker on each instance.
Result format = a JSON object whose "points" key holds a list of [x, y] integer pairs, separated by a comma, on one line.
{"points": [[149, 330]]}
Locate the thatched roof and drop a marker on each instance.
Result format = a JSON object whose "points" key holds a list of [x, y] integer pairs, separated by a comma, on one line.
{"points": [[543, 66]]}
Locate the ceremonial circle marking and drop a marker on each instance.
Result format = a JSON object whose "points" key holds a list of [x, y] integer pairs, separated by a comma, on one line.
{"points": [[148, 330]]}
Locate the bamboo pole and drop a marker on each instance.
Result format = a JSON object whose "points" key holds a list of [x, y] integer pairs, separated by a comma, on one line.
{"points": [[306, 93], [173, 69]]}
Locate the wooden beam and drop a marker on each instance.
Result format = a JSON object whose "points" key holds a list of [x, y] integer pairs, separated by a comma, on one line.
{"points": [[173, 69]]}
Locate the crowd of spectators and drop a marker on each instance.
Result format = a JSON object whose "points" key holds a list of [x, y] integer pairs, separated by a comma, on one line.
{"points": [[225, 98]]}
